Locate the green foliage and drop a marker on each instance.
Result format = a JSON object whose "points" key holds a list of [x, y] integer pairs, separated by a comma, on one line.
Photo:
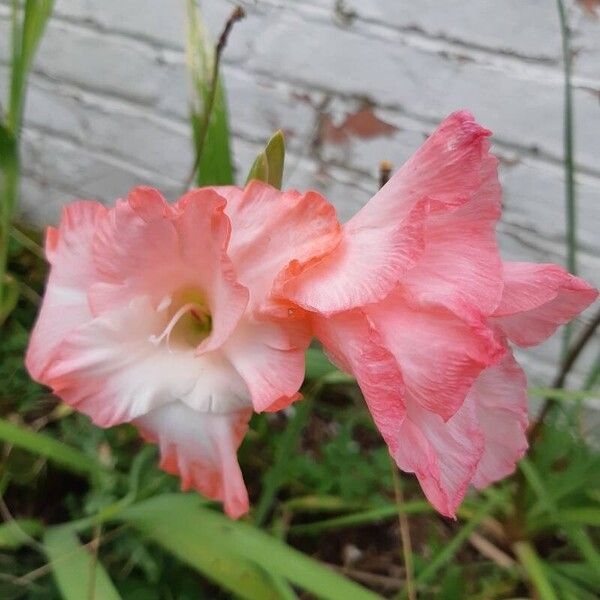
{"points": [[28, 25], [230, 551], [326, 474], [535, 569], [47, 446], [279, 473], [78, 574], [344, 467], [175, 523], [317, 364], [445, 554], [208, 112], [15, 534]]}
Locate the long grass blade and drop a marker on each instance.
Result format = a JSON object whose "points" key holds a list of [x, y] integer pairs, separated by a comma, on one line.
{"points": [[535, 569], [18, 532], [72, 568], [192, 532], [27, 34], [54, 450], [568, 159], [366, 517], [562, 394]]}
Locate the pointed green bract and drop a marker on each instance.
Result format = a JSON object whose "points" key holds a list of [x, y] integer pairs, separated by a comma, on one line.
{"points": [[260, 169], [268, 166], [275, 152]]}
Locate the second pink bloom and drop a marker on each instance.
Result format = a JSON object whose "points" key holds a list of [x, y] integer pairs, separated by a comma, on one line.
{"points": [[418, 305]]}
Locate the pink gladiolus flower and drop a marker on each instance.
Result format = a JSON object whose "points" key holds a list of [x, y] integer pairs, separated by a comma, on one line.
{"points": [[416, 302], [161, 315]]}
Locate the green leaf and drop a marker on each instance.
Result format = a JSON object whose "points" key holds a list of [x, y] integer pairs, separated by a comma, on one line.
{"points": [[37, 13], [317, 364], [15, 534], [8, 147], [44, 445], [365, 517], [173, 522], [535, 569], [268, 165], [562, 394], [210, 542], [318, 367], [570, 589], [73, 567], [26, 34], [9, 298], [577, 572], [210, 123], [319, 504], [581, 515], [285, 590], [9, 174]]}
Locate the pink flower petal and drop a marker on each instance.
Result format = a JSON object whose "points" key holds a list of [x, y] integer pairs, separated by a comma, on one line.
{"points": [[151, 248], [385, 239], [369, 259], [443, 455], [500, 399], [136, 252], [352, 343], [274, 231], [111, 370], [439, 354], [213, 268], [461, 267], [447, 168], [480, 444], [537, 298], [269, 356], [65, 306], [201, 449]]}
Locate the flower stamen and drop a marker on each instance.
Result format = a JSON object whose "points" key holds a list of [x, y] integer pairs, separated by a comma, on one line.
{"points": [[196, 310]]}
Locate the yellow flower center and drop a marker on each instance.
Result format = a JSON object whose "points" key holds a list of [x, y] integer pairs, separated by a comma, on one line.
{"points": [[190, 321]]}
